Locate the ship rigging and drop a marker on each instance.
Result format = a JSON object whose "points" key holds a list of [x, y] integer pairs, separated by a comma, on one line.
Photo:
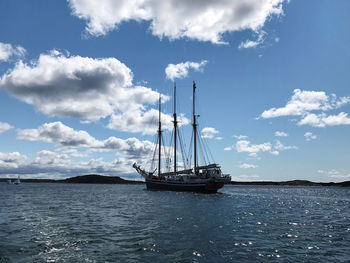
{"points": [[206, 178]]}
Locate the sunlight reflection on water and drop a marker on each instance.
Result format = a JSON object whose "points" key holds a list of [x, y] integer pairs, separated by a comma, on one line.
{"points": [[125, 223]]}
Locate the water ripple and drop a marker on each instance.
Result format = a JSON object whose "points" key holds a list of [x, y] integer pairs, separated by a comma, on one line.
{"points": [[125, 223]]}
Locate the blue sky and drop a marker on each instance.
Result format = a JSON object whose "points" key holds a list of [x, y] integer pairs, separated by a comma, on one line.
{"points": [[80, 83]]}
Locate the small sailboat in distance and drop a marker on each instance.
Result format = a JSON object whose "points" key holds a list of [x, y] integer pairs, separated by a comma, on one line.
{"points": [[205, 178], [17, 181]]}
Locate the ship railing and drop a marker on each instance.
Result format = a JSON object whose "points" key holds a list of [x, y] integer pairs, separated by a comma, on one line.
{"points": [[209, 166], [187, 171]]}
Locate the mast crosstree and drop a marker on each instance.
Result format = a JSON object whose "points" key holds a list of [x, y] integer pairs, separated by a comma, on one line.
{"points": [[194, 128], [175, 130]]}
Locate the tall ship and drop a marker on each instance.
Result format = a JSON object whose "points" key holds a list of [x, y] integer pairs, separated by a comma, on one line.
{"points": [[206, 178]]}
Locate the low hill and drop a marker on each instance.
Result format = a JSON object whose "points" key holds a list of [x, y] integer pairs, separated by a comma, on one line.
{"points": [[98, 179], [292, 183], [102, 179], [84, 179]]}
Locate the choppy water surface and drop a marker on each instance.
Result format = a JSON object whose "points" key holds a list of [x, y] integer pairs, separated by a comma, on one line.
{"points": [[125, 223]]}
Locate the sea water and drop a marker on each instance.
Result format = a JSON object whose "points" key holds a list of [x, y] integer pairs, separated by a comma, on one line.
{"points": [[126, 223]]}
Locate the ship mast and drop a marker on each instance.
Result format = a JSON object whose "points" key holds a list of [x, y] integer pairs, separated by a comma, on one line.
{"points": [[175, 129], [194, 129], [159, 137]]}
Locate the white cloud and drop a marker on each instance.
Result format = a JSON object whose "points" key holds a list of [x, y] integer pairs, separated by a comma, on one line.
{"points": [[180, 71], [104, 88], [64, 136], [56, 165], [335, 174], [209, 132], [219, 138], [5, 127], [57, 132], [322, 120], [252, 149], [279, 146], [248, 44], [303, 103], [240, 137], [309, 136], [229, 148], [248, 166], [253, 43], [12, 160], [71, 144], [145, 122], [199, 20], [7, 51], [281, 134], [54, 82]]}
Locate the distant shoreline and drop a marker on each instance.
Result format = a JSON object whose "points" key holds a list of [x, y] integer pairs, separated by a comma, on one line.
{"points": [[292, 183], [102, 179], [84, 179]]}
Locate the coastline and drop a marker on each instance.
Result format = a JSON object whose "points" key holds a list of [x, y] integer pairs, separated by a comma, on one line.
{"points": [[102, 179], [83, 179]]}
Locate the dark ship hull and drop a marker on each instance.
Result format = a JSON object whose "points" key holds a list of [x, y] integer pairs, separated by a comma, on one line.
{"points": [[210, 187]]}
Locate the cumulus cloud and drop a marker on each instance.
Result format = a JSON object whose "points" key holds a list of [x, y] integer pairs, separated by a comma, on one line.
{"points": [[5, 127], [209, 132], [74, 86], [310, 136], [7, 51], [280, 147], [229, 148], [132, 148], [198, 20], [61, 163], [248, 166], [12, 160], [180, 71], [62, 135], [252, 149], [70, 145], [303, 103], [58, 84], [57, 165], [145, 122], [57, 132], [281, 134], [322, 120]]}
